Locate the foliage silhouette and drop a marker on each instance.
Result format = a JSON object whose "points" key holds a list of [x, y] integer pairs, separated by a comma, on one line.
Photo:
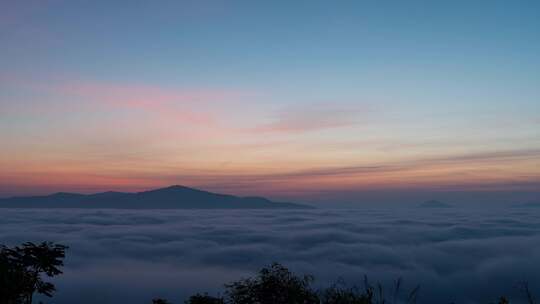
{"points": [[277, 285], [273, 285], [340, 293], [22, 267], [204, 299], [503, 300], [524, 287]]}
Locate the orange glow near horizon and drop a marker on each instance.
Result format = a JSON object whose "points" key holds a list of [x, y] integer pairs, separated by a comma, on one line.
{"points": [[299, 102]]}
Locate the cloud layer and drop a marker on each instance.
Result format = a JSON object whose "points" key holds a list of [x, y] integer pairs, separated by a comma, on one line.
{"points": [[455, 255]]}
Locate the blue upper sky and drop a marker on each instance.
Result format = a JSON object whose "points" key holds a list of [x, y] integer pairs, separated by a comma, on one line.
{"points": [[231, 95]]}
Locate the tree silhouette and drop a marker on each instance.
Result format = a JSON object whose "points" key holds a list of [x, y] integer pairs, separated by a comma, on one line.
{"points": [[273, 285], [524, 287], [503, 300], [22, 267], [204, 299], [277, 285], [339, 293]]}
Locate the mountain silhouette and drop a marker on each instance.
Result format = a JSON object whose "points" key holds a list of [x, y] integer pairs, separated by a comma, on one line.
{"points": [[173, 197]]}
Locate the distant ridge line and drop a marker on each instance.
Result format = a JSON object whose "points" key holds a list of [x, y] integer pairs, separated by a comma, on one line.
{"points": [[172, 197]]}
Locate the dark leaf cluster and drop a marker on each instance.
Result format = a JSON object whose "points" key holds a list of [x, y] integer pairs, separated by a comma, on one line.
{"points": [[277, 285], [22, 269]]}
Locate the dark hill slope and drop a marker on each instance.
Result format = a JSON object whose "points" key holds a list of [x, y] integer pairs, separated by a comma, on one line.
{"points": [[174, 197]]}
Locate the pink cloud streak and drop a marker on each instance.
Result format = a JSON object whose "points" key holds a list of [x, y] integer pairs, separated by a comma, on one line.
{"points": [[312, 118], [181, 105]]}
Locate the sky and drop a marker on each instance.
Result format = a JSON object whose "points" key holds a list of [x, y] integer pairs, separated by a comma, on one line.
{"points": [[297, 100]]}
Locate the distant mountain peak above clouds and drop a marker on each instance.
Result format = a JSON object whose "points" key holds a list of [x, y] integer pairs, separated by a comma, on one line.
{"points": [[434, 204], [174, 188], [172, 197]]}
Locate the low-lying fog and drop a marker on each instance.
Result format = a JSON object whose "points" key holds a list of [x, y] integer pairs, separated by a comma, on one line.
{"points": [[126, 256]]}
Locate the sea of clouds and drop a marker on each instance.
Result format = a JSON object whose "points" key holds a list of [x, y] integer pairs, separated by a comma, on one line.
{"points": [[129, 256]]}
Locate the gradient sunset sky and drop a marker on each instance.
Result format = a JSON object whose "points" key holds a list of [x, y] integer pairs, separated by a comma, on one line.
{"points": [[300, 100]]}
